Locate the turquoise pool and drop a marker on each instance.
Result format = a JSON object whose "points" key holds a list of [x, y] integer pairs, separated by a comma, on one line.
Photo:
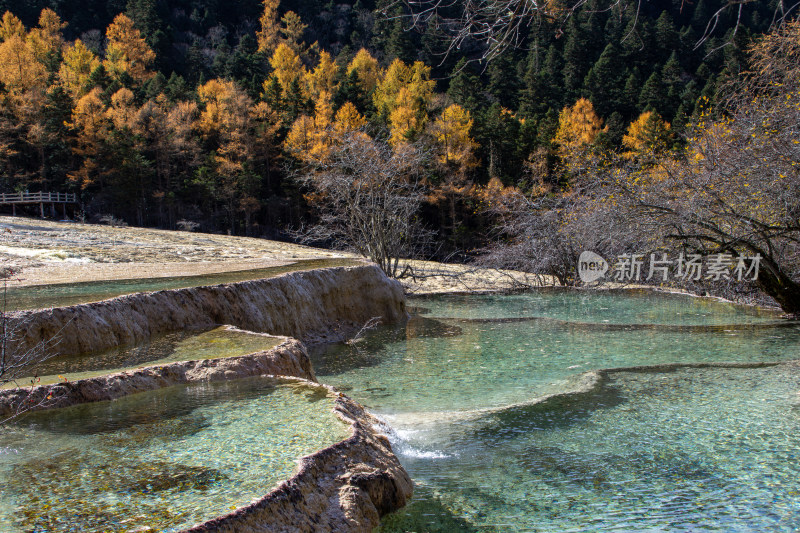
{"points": [[161, 460], [659, 451]]}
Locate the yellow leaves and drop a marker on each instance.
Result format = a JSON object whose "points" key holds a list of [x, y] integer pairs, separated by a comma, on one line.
{"points": [[122, 111], [300, 138], [11, 26], [20, 71], [89, 113], [348, 119], [402, 96], [310, 139], [287, 67], [403, 123], [127, 51], [367, 70], [415, 79], [323, 77], [268, 37], [46, 40], [451, 131], [578, 127], [292, 30], [647, 135], [77, 66], [323, 111], [397, 76], [226, 107]]}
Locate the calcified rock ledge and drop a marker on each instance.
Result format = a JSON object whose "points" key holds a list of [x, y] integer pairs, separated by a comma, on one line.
{"points": [[287, 359], [346, 487], [314, 306]]}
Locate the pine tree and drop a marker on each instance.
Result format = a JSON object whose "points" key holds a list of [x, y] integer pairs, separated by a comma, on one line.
{"points": [[666, 36], [605, 82], [465, 87], [653, 94]]}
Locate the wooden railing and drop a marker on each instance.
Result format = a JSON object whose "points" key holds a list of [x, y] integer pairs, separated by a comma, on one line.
{"points": [[38, 197]]}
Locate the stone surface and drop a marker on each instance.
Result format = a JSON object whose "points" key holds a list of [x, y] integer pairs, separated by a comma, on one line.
{"points": [[346, 487], [287, 359], [316, 305]]}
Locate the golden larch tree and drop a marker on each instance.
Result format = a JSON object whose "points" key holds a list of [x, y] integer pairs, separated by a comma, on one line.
{"points": [[323, 77], [367, 70], [301, 138], [11, 26], [77, 66], [20, 71], [268, 36], [287, 67], [122, 111], [403, 120], [452, 133], [91, 126], [46, 41], [578, 128], [348, 119], [648, 135], [397, 77], [127, 51], [292, 29]]}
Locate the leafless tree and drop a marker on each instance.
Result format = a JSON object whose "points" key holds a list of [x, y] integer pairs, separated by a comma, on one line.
{"points": [[736, 187], [546, 233], [367, 197], [15, 363]]}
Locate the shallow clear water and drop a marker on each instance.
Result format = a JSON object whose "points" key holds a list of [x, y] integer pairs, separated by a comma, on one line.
{"points": [[686, 451], [626, 306], [190, 345], [633, 458], [444, 365], [164, 459], [59, 295]]}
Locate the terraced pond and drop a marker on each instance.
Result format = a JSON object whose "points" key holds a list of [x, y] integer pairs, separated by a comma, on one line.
{"points": [[160, 460], [677, 450], [190, 345], [59, 295]]}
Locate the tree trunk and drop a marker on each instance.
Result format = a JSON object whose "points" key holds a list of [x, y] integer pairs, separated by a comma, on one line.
{"points": [[773, 281]]}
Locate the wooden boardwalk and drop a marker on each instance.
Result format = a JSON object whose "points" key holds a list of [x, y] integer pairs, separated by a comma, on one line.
{"points": [[41, 198]]}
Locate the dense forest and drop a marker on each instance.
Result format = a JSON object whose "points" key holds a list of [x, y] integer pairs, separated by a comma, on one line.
{"points": [[199, 112]]}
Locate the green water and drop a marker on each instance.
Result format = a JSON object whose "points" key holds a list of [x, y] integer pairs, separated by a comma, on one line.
{"points": [[696, 449], [217, 343], [59, 295], [710, 450], [625, 307], [164, 459]]}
